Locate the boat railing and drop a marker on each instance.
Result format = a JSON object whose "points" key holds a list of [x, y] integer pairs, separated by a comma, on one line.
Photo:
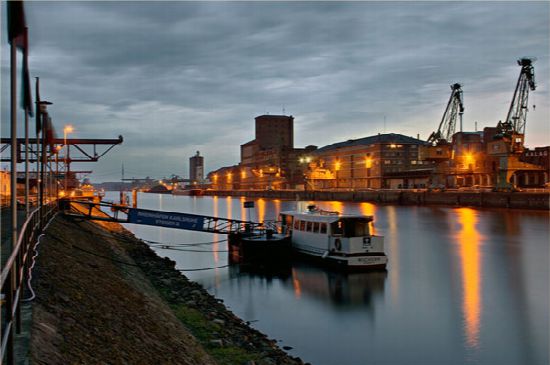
{"points": [[328, 212]]}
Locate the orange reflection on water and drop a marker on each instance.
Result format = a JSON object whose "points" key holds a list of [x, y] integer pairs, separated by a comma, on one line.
{"points": [[336, 206], [392, 238], [243, 209], [261, 210], [277, 204], [229, 207], [215, 246], [368, 209], [469, 239], [296, 284]]}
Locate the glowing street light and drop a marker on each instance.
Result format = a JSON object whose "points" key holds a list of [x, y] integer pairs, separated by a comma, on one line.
{"points": [[57, 149], [368, 162], [337, 166], [68, 129]]}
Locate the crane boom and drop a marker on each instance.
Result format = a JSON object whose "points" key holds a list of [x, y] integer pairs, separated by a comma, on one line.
{"points": [[517, 114], [447, 126]]}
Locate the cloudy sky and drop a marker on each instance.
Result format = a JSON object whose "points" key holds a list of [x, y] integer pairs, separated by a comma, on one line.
{"points": [[177, 77]]}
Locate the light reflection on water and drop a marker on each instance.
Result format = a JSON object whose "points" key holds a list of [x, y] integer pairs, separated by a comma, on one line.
{"points": [[463, 285], [469, 240]]}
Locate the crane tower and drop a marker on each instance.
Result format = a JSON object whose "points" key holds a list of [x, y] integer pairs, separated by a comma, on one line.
{"points": [[439, 148], [508, 143], [447, 126]]}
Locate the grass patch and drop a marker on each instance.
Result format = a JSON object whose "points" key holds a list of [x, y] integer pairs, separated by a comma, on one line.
{"points": [[205, 331], [197, 324], [232, 355]]}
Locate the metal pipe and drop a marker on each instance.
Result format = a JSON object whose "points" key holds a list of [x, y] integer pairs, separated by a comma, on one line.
{"points": [[27, 185], [13, 120], [37, 122], [13, 165]]}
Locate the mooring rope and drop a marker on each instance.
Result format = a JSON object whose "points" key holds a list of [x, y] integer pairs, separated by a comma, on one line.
{"points": [[155, 243]]}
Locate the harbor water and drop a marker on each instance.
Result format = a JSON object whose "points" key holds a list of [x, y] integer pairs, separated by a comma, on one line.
{"points": [[462, 286]]}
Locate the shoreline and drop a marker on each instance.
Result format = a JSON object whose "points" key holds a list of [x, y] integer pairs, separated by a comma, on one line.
{"points": [[477, 199], [219, 328], [104, 296]]}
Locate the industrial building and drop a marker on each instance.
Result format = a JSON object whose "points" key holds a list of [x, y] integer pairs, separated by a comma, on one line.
{"points": [[269, 161], [196, 169], [374, 162]]}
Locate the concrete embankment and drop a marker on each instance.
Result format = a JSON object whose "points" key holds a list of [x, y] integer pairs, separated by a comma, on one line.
{"points": [[517, 200], [104, 297]]}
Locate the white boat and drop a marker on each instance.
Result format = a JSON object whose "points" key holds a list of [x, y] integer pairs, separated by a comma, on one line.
{"points": [[336, 239]]}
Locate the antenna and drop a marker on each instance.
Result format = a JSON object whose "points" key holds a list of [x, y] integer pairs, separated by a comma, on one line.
{"points": [[283, 110]]}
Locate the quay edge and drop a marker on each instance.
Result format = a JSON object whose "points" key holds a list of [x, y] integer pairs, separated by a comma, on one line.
{"points": [[482, 199]]}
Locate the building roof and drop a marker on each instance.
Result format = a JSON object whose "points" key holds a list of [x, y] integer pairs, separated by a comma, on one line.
{"points": [[250, 143], [377, 139], [274, 116]]}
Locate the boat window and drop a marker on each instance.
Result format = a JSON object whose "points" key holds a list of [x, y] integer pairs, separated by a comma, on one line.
{"points": [[309, 226], [297, 224], [356, 228], [287, 220], [316, 227], [361, 229], [302, 225], [337, 228], [323, 228]]}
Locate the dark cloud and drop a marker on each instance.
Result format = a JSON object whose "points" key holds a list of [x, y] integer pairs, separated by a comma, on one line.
{"points": [[176, 77]]}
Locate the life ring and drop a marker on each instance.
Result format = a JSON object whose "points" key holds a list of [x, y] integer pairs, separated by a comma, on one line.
{"points": [[338, 244]]}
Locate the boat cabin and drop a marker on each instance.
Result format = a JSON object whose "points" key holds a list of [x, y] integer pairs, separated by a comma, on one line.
{"points": [[327, 225], [319, 232]]}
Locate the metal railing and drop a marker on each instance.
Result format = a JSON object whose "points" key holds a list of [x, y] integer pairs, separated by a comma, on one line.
{"points": [[13, 277]]}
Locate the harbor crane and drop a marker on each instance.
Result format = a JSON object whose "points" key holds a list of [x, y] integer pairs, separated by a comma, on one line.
{"points": [[439, 147], [512, 130], [447, 126], [508, 142]]}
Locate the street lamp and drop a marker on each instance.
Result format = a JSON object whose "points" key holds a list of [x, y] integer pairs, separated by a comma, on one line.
{"points": [[337, 166], [68, 129], [56, 151]]}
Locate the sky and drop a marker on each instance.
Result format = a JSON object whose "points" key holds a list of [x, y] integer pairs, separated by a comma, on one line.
{"points": [[175, 77]]}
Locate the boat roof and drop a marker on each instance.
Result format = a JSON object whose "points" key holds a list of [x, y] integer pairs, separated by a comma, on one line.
{"points": [[325, 216]]}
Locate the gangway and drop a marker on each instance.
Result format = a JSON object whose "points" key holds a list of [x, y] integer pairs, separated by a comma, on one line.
{"points": [[194, 222]]}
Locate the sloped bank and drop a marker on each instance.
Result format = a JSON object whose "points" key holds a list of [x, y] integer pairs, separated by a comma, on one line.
{"points": [[104, 296]]}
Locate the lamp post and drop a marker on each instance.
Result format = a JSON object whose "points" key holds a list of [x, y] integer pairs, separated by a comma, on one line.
{"points": [[337, 166], [68, 129], [43, 116], [306, 160], [57, 150]]}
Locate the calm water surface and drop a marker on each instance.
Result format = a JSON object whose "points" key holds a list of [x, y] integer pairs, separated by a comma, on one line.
{"points": [[463, 285]]}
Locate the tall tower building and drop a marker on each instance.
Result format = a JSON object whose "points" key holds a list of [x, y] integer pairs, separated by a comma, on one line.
{"points": [[196, 168], [275, 131]]}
